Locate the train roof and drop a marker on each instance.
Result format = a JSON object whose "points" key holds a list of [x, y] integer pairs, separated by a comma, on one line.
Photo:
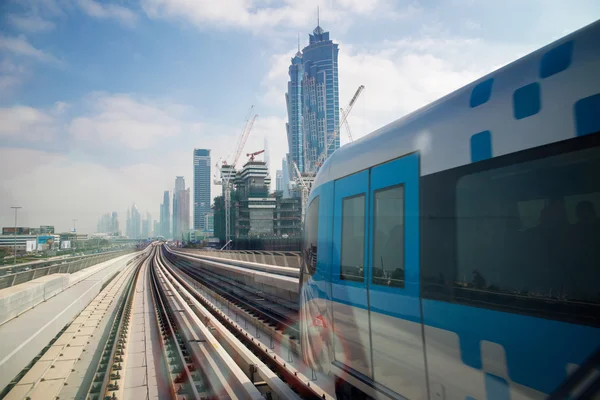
{"points": [[547, 96]]}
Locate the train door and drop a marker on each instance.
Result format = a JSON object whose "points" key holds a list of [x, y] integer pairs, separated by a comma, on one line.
{"points": [[393, 279], [352, 343]]}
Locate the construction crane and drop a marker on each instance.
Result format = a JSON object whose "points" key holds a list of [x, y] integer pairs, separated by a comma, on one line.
{"points": [[243, 140], [305, 188], [343, 113], [240, 139], [323, 155], [228, 174], [252, 155]]}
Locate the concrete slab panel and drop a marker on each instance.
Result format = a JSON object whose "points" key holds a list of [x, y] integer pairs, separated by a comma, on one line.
{"points": [[52, 353], [61, 369], [140, 392], [136, 347], [135, 377], [135, 360], [73, 328], [47, 390], [80, 340], [36, 372], [19, 392], [63, 340], [71, 353], [87, 331]]}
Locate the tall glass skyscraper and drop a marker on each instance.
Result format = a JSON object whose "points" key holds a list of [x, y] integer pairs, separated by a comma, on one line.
{"points": [[320, 97], [181, 209], [201, 187], [313, 102], [293, 99], [165, 216]]}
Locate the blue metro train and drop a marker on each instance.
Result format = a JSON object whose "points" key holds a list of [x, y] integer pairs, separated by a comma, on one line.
{"points": [[455, 253]]}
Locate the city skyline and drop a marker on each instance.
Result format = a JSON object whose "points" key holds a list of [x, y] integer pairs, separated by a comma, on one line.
{"points": [[117, 121]]}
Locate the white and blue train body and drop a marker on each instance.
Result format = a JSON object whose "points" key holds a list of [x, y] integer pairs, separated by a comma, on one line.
{"points": [[455, 253]]}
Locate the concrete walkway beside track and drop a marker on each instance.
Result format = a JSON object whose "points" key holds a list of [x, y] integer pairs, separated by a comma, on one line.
{"points": [[24, 337]]}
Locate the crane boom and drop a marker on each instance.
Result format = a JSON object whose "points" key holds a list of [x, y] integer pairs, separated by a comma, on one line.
{"points": [[355, 97], [298, 173], [323, 154], [239, 141], [252, 155], [347, 125], [243, 139]]}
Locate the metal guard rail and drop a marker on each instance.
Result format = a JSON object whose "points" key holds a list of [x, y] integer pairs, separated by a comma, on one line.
{"points": [[71, 267], [278, 258], [269, 268]]}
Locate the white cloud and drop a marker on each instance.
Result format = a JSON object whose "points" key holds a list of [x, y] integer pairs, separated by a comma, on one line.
{"points": [[122, 121], [256, 15], [30, 23], [58, 188], [94, 9], [20, 46], [11, 75], [405, 75], [60, 107], [26, 123]]}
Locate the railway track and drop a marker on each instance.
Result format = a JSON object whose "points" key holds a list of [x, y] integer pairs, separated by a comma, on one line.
{"points": [[276, 313], [286, 366], [145, 356]]}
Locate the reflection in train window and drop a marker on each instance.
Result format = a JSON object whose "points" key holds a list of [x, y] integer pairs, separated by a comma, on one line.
{"points": [[311, 232], [353, 238], [519, 233], [388, 236], [532, 228]]}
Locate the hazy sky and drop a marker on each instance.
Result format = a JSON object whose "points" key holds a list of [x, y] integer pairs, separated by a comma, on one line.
{"points": [[101, 104]]}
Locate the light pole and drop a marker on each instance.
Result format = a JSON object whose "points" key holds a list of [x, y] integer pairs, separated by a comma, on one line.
{"points": [[75, 232], [15, 233]]}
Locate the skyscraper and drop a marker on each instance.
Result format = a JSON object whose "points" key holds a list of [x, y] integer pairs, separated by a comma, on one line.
{"points": [[135, 223], [179, 183], [146, 226], [293, 99], [145, 229], [181, 209], [165, 216], [279, 180], [320, 97], [201, 187], [114, 223]]}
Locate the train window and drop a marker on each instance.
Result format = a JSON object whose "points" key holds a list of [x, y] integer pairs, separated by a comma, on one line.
{"points": [[388, 236], [520, 233], [353, 239], [311, 232]]}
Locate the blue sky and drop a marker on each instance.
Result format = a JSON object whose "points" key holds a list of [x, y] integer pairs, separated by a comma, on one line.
{"points": [[101, 103]]}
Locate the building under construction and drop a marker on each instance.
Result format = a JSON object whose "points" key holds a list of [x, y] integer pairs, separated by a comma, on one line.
{"points": [[257, 213]]}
